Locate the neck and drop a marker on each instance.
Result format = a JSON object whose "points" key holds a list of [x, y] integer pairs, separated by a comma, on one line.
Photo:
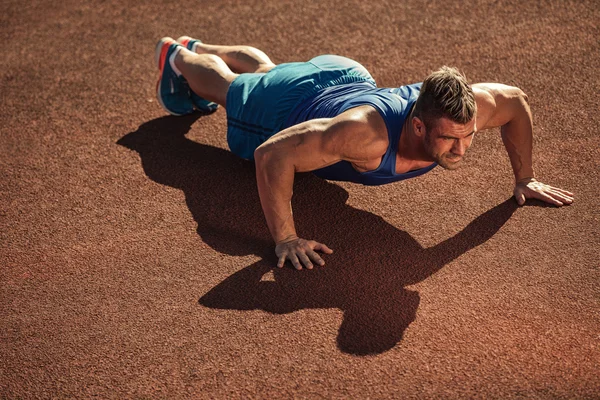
{"points": [[410, 146]]}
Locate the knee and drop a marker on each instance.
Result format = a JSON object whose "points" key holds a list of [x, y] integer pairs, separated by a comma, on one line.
{"points": [[265, 68]]}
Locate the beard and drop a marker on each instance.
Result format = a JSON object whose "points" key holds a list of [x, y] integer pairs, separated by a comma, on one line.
{"points": [[446, 160], [449, 161]]}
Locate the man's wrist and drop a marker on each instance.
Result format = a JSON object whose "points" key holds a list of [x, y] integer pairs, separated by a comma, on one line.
{"points": [[525, 180], [524, 174], [286, 239]]}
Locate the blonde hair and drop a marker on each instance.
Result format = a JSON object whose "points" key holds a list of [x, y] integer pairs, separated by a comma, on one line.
{"points": [[445, 93]]}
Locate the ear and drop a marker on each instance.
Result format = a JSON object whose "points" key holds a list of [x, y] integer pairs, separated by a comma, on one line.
{"points": [[418, 127]]}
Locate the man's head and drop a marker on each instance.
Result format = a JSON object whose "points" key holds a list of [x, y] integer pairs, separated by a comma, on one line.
{"points": [[444, 116]]}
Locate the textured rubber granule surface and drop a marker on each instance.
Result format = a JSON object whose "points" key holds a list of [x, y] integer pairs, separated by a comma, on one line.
{"points": [[136, 263]]}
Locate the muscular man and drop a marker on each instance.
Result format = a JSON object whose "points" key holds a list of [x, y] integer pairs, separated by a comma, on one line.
{"points": [[328, 116]]}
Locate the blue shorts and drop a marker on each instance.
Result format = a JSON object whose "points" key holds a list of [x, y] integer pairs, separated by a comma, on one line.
{"points": [[258, 104]]}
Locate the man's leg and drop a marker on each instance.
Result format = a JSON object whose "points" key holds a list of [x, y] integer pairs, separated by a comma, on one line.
{"points": [[240, 59], [207, 74]]}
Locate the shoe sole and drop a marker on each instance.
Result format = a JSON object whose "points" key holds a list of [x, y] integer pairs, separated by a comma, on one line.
{"points": [[160, 58]]}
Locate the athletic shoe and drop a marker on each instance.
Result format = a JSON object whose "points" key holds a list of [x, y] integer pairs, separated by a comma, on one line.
{"points": [[172, 90], [200, 103], [189, 43]]}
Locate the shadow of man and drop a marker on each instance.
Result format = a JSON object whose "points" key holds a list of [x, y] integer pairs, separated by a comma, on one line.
{"points": [[365, 278]]}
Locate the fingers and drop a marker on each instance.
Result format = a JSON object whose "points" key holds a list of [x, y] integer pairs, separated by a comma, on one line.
{"points": [[547, 198], [301, 253], [322, 247], [565, 192], [315, 257], [294, 260], [564, 198], [281, 261], [520, 198], [553, 195], [305, 260], [300, 259]]}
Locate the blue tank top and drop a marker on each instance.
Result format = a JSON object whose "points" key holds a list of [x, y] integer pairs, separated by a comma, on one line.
{"points": [[394, 105]]}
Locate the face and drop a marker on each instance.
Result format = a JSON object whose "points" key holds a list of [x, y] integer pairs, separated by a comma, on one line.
{"points": [[446, 142]]}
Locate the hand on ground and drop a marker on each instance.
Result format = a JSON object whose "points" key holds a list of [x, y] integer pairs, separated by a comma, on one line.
{"points": [[301, 252], [532, 189]]}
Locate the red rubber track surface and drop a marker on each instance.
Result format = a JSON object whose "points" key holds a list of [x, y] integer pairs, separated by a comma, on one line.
{"points": [[136, 263]]}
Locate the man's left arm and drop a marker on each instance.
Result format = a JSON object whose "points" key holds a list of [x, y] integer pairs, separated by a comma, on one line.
{"points": [[507, 107]]}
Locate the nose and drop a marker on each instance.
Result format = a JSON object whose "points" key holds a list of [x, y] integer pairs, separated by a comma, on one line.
{"points": [[460, 147]]}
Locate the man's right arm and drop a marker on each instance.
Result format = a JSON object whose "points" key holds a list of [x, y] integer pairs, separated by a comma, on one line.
{"points": [[357, 135]]}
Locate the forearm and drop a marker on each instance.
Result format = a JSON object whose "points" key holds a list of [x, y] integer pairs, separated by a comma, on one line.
{"points": [[295, 149], [275, 180], [517, 136]]}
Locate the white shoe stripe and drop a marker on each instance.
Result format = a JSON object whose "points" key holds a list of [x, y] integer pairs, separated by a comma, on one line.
{"points": [[172, 61]]}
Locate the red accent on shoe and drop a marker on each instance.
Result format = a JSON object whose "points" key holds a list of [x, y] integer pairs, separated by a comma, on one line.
{"points": [[185, 42], [163, 53]]}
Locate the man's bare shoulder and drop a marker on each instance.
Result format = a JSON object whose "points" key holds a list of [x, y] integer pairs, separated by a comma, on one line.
{"points": [[494, 102], [484, 98], [359, 133]]}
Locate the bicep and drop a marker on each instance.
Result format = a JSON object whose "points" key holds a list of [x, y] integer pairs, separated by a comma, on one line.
{"points": [[351, 136], [498, 104]]}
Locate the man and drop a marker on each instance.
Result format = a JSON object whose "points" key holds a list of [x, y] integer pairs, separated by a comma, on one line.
{"points": [[328, 116]]}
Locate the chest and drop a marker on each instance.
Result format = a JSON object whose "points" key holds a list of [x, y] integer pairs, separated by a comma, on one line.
{"points": [[366, 166], [402, 165]]}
